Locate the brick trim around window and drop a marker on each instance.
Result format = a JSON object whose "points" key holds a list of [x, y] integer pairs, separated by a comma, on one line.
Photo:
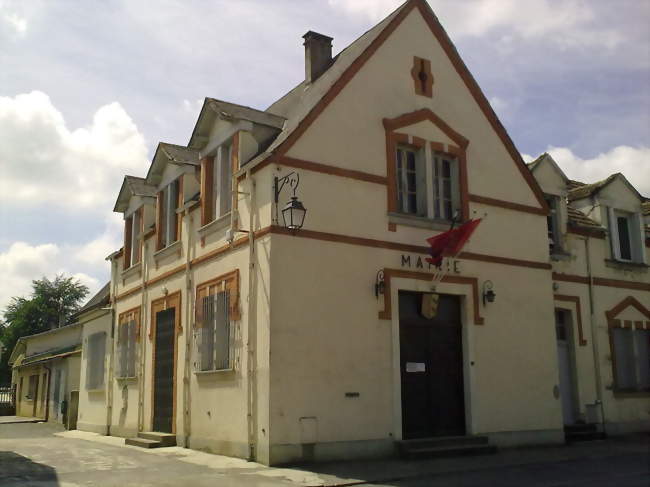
{"points": [[228, 282]]}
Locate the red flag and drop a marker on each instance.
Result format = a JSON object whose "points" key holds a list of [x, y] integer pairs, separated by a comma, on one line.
{"points": [[450, 243]]}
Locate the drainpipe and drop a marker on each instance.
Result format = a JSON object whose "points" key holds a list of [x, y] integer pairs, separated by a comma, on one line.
{"points": [[187, 424], [47, 394], [252, 328], [143, 338], [594, 336], [109, 374]]}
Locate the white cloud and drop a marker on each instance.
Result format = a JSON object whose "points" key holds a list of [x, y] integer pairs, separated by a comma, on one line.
{"points": [[568, 23], [45, 162], [632, 162], [23, 262], [18, 23]]}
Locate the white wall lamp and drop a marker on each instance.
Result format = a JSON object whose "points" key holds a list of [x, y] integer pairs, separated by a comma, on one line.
{"points": [[293, 213]]}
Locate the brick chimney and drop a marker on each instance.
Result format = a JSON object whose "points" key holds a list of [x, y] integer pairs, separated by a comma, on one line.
{"points": [[318, 55]]}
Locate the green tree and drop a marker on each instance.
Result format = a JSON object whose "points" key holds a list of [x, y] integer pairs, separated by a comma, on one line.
{"points": [[50, 306]]}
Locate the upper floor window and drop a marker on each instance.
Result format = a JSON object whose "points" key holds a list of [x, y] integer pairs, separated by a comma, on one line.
{"points": [[168, 224], [553, 224], [216, 185], [625, 236], [133, 226], [95, 359], [427, 184], [127, 337]]}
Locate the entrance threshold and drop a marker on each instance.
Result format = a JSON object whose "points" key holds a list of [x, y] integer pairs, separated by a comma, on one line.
{"points": [[445, 446]]}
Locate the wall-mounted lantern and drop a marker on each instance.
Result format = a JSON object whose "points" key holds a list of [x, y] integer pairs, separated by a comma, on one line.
{"points": [[380, 285], [488, 294], [293, 214]]}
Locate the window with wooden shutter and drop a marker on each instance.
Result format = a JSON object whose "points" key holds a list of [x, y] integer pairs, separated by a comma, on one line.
{"points": [[631, 358], [207, 190], [128, 229], [168, 220], [217, 307], [128, 336]]}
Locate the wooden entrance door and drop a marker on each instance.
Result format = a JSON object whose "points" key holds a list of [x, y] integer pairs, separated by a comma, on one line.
{"points": [[431, 362], [163, 383]]}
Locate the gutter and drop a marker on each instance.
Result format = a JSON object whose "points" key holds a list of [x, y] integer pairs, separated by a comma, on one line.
{"points": [[252, 329]]}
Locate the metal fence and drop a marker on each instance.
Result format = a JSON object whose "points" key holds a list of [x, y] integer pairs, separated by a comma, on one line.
{"points": [[7, 401]]}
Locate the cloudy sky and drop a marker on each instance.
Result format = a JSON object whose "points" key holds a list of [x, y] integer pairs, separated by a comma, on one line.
{"points": [[87, 89]]}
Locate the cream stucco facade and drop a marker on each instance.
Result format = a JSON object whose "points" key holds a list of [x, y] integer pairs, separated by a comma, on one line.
{"points": [[314, 324]]}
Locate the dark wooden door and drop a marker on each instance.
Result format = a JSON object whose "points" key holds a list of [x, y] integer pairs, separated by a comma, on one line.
{"points": [[163, 406], [431, 361]]}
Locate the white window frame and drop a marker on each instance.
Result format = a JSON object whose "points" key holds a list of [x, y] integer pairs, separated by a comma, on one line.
{"points": [[555, 234], [136, 225], [634, 355], [429, 184], [222, 182], [635, 235], [170, 198]]}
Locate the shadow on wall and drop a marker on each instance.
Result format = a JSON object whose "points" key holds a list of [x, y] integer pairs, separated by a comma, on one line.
{"points": [[19, 470]]}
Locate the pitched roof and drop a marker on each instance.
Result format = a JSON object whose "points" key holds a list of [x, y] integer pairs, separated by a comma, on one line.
{"points": [[579, 219], [302, 105], [549, 160], [102, 298], [587, 190], [179, 154], [645, 207], [136, 187], [302, 99]]}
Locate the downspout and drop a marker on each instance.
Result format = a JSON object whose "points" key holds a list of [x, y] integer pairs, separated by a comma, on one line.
{"points": [[109, 375], [252, 327], [47, 396], [111, 360], [594, 337], [187, 424], [143, 338]]}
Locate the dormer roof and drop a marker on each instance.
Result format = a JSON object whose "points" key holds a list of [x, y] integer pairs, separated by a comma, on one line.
{"points": [[170, 154], [546, 158], [590, 190], [214, 109], [132, 186]]}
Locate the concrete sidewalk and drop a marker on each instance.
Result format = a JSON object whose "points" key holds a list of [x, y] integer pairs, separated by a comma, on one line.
{"points": [[340, 474], [18, 419]]}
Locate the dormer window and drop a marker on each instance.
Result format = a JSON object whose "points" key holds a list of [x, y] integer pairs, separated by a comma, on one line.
{"points": [[132, 238], [216, 185], [625, 236], [168, 220], [553, 224]]}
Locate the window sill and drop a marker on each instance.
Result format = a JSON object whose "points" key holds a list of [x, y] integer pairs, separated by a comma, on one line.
{"points": [[96, 389], [630, 266], [169, 250], [204, 373], [419, 221], [132, 271], [214, 226], [127, 379], [560, 255], [632, 394]]}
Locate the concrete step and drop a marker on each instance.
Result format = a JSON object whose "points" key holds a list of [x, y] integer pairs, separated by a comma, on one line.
{"points": [[449, 451], [143, 443], [445, 446], [576, 436], [165, 439], [580, 428]]}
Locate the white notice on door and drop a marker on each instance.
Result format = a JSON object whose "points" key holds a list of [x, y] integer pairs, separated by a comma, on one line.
{"points": [[415, 367]]}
